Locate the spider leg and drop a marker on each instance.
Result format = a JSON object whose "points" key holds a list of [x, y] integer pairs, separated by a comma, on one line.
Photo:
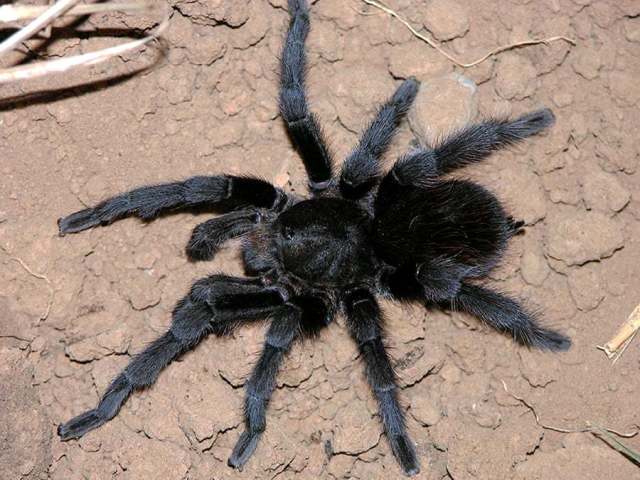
{"points": [[362, 167], [507, 316], [432, 280], [495, 309], [209, 236], [302, 125], [415, 169], [472, 144], [441, 278], [149, 202], [364, 320], [476, 142], [288, 324], [418, 167], [281, 334], [217, 304], [401, 284]]}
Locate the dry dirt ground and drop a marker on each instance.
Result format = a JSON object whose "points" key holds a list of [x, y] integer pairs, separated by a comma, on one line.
{"points": [[209, 106]]}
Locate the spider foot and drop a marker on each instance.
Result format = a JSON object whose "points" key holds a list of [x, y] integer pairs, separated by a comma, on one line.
{"points": [[243, 450], [404, 452], [533, 122], [545, 339], [516, 227], [406, 93], [78, 221], [78, 426]]}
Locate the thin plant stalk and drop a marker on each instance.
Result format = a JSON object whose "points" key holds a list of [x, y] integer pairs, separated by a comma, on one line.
{"points": [[15, 13], [451, 58]]}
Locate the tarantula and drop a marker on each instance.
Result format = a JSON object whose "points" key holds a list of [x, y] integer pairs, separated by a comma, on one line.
{"points": [[408, 235]]}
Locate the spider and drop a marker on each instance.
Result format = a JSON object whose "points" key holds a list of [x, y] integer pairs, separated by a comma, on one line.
{"points": [[410, 235]]}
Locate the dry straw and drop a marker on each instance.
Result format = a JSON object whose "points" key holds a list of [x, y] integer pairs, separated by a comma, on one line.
{"points": [[615, 347], [45, 16]]}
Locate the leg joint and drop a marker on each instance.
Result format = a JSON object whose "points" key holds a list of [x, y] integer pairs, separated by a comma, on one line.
{"points": [[368, 337], [382, 389]]}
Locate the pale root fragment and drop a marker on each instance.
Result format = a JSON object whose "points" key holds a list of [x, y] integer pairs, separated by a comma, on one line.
{"points": [[615, 347]]}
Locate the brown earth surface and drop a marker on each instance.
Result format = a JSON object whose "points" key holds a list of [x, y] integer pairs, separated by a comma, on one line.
{"points": [[209, 106]]}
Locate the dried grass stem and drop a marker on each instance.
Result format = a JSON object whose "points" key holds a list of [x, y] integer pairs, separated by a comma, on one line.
{"points": [[453, 59]]}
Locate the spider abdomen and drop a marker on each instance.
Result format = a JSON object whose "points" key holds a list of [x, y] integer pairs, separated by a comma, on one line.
{"points": [[325, 242], [454, 219]]}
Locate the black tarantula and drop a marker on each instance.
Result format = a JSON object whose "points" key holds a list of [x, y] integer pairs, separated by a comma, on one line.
{"points": [[408, 235]]}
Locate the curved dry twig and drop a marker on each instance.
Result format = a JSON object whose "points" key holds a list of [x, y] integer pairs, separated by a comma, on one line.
{"points": [[453, 59], [589, 428], [39, 276]]}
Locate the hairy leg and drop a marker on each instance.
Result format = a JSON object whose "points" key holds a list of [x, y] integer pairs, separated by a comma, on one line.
{"points": [[441, 278], [495, 309], [476, 142], [288, 323], [364, 320], [431, 281], [362, 167], [302, 125], [507, 316], [401, 284], [280, 336], [197, 315], [209, 236], [149, 202], [472, 144]]}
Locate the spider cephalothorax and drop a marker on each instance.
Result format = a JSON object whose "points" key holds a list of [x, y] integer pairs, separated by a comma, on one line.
{"points": [[325, 242], [409, 235]]}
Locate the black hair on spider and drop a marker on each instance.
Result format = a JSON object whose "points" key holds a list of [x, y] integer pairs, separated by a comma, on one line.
{"points": [[410, 234]]}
